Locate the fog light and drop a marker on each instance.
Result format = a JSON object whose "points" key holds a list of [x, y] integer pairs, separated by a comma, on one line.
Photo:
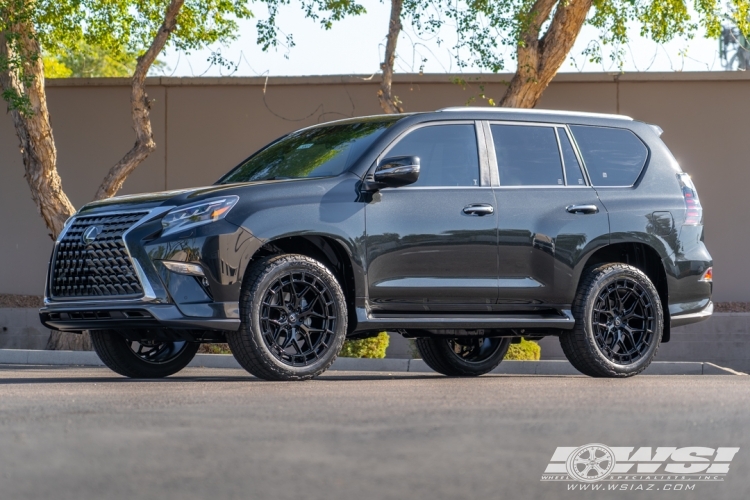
{"points": [[708, 276], [184, 268]]}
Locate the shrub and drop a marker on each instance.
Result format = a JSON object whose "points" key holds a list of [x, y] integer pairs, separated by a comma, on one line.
{"points": [[214, 349], [373, 347], [525, 351]]}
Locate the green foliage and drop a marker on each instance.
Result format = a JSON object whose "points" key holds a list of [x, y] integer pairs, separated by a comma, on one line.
{"points": [[214, 349], [119, 29], [525, 351], [486, 29], [373, 347], [84, 60]]}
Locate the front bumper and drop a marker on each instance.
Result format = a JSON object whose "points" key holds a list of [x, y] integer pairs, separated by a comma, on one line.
{"points": [[138, 315], [170, 301]]}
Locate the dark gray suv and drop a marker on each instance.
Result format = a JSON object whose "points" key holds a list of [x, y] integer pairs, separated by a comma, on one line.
{"points": [[466, 229]]}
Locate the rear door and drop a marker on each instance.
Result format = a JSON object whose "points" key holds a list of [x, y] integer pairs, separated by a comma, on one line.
{"points": [[432, 245], [549, 216]]}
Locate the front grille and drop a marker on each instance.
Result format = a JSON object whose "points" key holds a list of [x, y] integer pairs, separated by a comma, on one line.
{"points": [[100, 268]]}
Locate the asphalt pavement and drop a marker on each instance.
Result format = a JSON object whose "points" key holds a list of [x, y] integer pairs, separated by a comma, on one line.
{"points": [[85, 433]]}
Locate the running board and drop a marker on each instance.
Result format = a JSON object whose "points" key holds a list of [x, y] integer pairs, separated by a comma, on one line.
{"points": [[564, 321]]}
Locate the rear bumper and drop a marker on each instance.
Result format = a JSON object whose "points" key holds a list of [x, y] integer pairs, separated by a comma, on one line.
{"points": [[136, 315], [692, 317]]}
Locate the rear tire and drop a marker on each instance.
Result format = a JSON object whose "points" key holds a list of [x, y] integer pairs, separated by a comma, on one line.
{"points": [[142, 359], [619, 322], [294, 319], [463, 357]]}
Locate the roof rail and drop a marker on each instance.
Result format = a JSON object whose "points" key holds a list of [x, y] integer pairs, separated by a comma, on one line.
{"points": [[535, 111]]}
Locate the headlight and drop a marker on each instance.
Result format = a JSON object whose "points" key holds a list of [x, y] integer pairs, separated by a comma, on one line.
{"points": [[195, 215]]}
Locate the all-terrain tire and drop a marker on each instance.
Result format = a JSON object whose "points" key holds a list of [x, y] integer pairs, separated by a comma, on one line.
{"points": [[439, 354], [253, 344], [586, 347], [116, 352]]}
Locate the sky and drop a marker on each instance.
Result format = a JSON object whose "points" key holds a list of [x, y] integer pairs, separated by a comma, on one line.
{"points": [[355, 46]]}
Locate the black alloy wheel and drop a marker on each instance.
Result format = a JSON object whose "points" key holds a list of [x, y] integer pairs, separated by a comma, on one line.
{"points": [[298, 318], [143, 358], [463, 356], [619, 322], [294, 319], [623, 318], [156, 352]]}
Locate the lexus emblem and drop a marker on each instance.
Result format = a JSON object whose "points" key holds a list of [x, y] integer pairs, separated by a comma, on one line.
{"points": [[90, 234]]}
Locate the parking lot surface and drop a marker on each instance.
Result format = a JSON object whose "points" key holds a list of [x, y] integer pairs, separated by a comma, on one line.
{"points": [[85, 433]]}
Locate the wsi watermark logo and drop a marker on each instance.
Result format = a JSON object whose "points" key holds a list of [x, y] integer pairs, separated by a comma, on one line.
{"points": [[662, 467]]}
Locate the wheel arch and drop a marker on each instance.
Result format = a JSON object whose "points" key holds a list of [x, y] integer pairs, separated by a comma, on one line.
{"points": [[329, 251], [643, 257]]}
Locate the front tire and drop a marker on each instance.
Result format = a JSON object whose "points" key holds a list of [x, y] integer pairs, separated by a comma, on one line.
{"points": [[463, 357], [619, 323], [294, 319], [142, 359]]}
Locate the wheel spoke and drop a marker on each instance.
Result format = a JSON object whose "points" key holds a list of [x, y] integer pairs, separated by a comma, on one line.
{"points": [[298, 319], [622, 319]]}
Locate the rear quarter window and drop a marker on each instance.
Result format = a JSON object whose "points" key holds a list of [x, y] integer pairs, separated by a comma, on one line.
{"points": [[613, 156]]}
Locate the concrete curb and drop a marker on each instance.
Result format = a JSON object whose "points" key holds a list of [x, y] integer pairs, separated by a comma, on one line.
{"points": [[89, 358]]}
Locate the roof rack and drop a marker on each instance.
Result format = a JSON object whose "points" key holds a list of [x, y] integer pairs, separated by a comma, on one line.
{"points": [[535, 111]]}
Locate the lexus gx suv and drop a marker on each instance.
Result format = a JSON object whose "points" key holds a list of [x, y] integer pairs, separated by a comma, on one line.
{"points": [[465, 229]]}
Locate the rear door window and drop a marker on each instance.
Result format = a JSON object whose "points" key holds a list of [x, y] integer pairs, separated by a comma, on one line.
{"points": [[613, 156], [527, 155]]}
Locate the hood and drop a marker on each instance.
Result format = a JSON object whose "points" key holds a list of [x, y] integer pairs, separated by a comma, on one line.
{"points": [[170, 198]]}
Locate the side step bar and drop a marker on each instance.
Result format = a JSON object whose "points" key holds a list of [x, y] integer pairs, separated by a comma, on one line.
{"points": [[564, 321]]}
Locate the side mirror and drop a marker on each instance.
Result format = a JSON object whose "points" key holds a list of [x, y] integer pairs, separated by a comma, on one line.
{"points": [[397, 171]]}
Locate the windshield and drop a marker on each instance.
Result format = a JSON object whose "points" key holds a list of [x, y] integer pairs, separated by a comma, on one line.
{"points": [[314, 152]]}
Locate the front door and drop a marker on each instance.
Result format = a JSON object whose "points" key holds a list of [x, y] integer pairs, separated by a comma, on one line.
{"points": [[549, 217], [432, 245]]}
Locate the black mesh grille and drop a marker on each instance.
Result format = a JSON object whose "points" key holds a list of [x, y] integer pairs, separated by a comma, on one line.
{"points": [[100, 268]]}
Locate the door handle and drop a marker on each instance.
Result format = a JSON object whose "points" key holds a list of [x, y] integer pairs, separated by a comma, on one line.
{"points": [[582, 209], [479, 209]]}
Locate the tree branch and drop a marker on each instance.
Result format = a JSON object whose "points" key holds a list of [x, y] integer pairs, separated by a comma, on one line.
{"points": [[140, 107], [388, 101]]}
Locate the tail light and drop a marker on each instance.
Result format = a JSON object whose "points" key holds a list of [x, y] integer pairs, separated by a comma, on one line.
{"points": [[708, 276], [694, 215]]}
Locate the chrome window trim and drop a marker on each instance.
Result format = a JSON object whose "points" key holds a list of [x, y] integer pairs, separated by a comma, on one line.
{"points": [[484, 164], [148, 292], [491, 155], [562, 158], [433, 188], [416, 126]]}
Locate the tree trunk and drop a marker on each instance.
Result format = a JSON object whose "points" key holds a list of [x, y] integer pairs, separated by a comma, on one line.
{"points": [[388, 101], [139, 109], [540, 59], [33, 128], [38, 145]]}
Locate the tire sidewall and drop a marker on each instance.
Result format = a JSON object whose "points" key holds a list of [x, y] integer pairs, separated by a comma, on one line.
{"points": [[252, 326], [476, 368], [609, 276], [114, 350]]}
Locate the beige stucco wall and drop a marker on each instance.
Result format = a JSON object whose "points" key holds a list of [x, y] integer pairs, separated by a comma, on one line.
{"points": [[203, 126]]}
